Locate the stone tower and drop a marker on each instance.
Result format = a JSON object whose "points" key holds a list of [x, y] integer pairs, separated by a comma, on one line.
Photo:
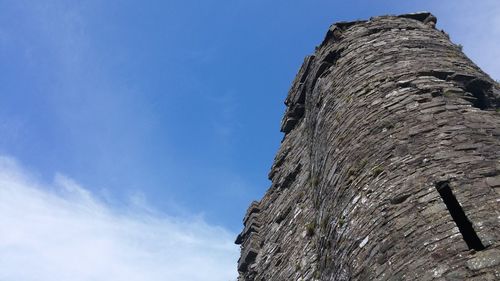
{"points": [[390, 164]]}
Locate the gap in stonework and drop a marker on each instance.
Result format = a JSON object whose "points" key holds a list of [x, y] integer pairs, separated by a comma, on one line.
{"points": [[457, 213]]}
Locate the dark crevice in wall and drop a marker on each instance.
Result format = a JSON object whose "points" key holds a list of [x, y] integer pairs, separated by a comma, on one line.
{"points": [[457, 213], [282, 215], [290, 178], [478, 91], [324, 68], [333, 56]]}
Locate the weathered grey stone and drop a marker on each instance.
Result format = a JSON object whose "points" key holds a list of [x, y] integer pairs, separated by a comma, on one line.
{"points": [[389, 168], [421, 16], [484, 259], [457, 275], [493, 181]]}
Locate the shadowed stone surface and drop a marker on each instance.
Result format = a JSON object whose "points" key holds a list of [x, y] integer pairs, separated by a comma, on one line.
{"points": [[390, 164]]}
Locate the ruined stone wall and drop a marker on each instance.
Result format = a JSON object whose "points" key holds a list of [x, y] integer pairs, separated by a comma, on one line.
{"points": [[390, 164]]}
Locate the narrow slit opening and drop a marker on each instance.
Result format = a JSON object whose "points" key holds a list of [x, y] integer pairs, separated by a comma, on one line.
{"points": [[457, 213]]}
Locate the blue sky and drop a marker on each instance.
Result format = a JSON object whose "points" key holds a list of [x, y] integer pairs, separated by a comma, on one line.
{"points": [[167, 111]]}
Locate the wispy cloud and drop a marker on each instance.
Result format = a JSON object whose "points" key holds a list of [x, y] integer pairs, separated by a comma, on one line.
{"points": [[60, 231]]}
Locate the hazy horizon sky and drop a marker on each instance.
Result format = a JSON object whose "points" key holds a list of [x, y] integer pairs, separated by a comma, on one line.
{"points": [[126, 125]]}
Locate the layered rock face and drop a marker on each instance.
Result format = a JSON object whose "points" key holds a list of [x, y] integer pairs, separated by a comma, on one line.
{"points": [[390, 164]]}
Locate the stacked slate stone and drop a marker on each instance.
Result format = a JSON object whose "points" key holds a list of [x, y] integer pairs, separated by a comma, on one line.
{"points": [[249, 238], [390, 164]]}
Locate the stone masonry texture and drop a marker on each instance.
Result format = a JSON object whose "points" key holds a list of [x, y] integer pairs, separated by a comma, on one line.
{"points": [[390, 164]]}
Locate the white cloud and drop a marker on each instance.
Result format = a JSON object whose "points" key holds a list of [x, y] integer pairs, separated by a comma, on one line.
{"points": [[61, 232]]}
